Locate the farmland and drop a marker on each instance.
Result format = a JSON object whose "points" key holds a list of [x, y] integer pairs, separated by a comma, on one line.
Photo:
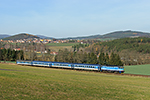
{"points": [[61, 44], [26, 82], [57, 46], [138, 69]]}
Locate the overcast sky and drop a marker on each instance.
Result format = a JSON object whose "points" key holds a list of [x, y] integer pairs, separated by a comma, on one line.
{"points": [[69, 18]]}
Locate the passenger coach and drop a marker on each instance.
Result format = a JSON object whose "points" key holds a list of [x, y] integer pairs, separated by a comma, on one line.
{"points": [[94, 67]]}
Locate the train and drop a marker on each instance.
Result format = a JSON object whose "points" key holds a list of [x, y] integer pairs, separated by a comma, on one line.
{"points": [[78, 66]]}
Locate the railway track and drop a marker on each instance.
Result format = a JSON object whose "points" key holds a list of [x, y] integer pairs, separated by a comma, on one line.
{"points": [[137, 75], [123, 74]]}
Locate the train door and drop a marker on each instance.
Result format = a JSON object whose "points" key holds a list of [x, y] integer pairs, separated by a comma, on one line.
{"points": [[72, 66], [50, 64]]}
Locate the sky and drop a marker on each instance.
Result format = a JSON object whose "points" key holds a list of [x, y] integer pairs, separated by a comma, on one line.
{"points": [[71, 18]]}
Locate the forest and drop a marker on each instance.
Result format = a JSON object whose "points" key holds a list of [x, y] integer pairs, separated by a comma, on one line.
{"points": [[132, 51], [125, 51], [11, 55], [88, 58]]}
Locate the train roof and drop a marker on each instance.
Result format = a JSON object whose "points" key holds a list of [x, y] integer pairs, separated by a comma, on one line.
{"points": [[113, 66], [87, 64], [43, 61], [25, 60], [62, 62]]}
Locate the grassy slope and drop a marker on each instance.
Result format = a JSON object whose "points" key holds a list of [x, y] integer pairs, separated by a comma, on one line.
{"points": [[25, 82], [138, 69]]}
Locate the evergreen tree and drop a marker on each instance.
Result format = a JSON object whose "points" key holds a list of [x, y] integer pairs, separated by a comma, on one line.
{"points": [[4, 55], [107, 59], [112, 59], [88, 58], [115, 60], [9, 52], [85, 57], [102, 59], [13, 55], [118, 61], [93, 58], [0, 54], [0, 51]]}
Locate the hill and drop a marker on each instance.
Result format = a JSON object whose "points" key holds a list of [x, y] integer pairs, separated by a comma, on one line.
{"points": [[124, 34], [20, 36], [115, 35], [111, 35], [44, 37], [3, 36]]}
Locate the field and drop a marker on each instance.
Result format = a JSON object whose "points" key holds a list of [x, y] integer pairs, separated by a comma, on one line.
{"points": [[8, 62], [26, 82], [61, 44], [138, 69]]}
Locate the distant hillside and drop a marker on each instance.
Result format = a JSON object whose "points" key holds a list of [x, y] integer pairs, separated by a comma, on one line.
{"points": [[111, 35], [124, 34], [3, 36], [44, 37], [84, 37], [116, 34], [132, 51], [20, 36]]}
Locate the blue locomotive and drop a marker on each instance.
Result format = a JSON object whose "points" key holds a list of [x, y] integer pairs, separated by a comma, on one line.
{"points": [[93, 67]]}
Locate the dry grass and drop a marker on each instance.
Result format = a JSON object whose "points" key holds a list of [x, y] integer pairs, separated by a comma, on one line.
{"points": [[25, 82]]}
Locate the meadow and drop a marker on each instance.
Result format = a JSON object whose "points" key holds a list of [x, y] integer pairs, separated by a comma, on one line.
{"points": [[61, 44], [28, 82], [138, 69]]}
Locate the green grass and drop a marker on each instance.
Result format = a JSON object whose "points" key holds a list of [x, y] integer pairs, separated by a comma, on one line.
{"points": [[138, 69], [61, 44], [31, 83], [9, 62]]}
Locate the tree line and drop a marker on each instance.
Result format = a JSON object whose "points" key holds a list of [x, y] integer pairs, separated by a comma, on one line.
{"points": [[88, 58], [140, 44], [10, 55], [77, 46]]}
